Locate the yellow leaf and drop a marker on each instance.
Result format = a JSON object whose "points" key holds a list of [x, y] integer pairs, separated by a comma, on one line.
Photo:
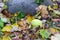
{"points": [[37, 14], [0, 38], [55, 6], [15, 24], [6, 38], [7, 28], [53, 0], [15, 14], [30, 18], [49, 7], [53, 30]]}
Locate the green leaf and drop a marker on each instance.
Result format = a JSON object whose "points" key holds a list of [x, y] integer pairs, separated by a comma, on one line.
{"points": [[54, 15], [11, 36], [36, 23], [1, 34], [44, 33], [4, 19], [49, 23], [1, 24], [20, 15], [39, 1], [13, 20], [5, 0], [5, 6], [56, 12]]}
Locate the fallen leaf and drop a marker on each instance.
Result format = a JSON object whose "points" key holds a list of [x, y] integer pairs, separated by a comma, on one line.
{"points": [[44, 33], [1, 23], [6, 38], [30, 18], [7, 29], [36, 23]]}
